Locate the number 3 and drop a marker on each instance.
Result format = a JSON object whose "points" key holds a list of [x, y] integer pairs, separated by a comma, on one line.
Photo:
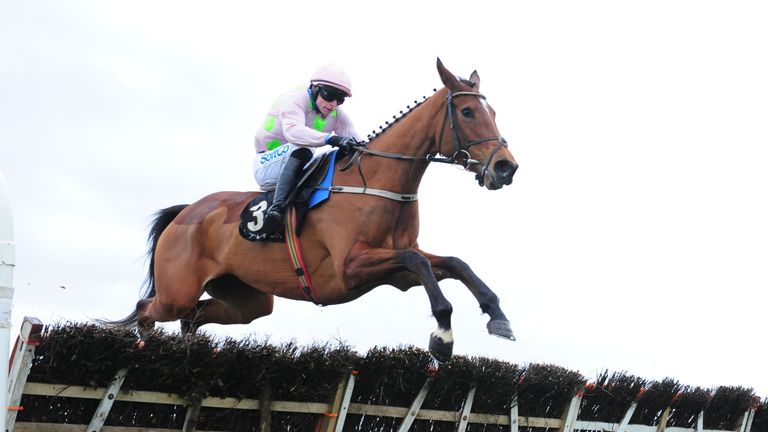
{"points": [[258, 215]]}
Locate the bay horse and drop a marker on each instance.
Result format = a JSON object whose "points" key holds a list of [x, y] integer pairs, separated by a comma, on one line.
{"points": [[352, 243]]}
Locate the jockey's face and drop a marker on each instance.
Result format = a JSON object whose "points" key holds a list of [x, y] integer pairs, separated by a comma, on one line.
{"points": [[325, 107], [329, 99]]}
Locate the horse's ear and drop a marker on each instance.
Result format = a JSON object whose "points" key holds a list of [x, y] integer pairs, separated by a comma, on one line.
{"points": [[475, 78], [448, 78]]}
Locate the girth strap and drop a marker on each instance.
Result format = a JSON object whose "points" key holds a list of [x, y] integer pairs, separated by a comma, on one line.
{"points": [[294, 251], [376, 192]]}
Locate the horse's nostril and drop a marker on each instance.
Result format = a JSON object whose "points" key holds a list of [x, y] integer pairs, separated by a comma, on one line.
{"points": [[505, 169]]}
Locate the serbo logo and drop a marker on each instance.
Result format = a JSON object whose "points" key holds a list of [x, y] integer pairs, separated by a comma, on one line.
{"points": [[276, 153]]}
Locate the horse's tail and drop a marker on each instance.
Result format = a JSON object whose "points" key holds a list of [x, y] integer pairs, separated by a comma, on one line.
{"points": [[163, 219]]}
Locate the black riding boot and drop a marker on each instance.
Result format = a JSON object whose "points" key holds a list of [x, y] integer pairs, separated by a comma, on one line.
{"points": [[289, 176]]}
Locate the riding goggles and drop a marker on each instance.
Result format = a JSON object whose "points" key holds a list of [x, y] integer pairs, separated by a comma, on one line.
{"points": [[331, 94]]}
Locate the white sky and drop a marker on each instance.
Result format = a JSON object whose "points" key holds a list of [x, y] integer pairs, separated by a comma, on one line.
{"points": [[633, 238]]}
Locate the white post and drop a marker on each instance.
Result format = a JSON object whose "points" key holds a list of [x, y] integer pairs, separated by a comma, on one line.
{"points": [[513, 415], [7, 261], [467, 410], [415, 406], [21, 363], [751, 417], [627, 416], [345, 401], [571, 413], [107, 400], [745, 424]]}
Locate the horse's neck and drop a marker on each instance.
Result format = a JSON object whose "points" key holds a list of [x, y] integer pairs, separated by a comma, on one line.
{"points": [[414, 136]]}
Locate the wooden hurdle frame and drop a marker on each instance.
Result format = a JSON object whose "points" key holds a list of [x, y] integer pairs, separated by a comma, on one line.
{"points": [[334, 413]]}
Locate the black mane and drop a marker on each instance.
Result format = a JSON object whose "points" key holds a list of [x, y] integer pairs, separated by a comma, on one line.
{"points": [[396, 118]]}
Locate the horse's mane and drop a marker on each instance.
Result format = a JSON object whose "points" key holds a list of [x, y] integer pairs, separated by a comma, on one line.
{"points": [[395, 118], [408, 109]]}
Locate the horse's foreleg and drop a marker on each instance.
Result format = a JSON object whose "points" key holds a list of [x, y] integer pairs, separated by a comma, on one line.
{"points": [[455, 268], [387, 266]]}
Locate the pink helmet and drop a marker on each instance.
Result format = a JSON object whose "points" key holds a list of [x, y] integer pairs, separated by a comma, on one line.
{"points": [[334, 76]]}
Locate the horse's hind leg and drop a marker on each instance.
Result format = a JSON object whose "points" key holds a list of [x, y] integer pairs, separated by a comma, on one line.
{"points": [[145, 323], [151, 311], [233, 302], [172, 301]]}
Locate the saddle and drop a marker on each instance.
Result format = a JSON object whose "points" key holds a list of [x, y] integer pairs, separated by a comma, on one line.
{"points": [[311, 190]]}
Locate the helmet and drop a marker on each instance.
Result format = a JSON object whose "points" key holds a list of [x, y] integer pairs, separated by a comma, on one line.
{"points": [[334, 76]]}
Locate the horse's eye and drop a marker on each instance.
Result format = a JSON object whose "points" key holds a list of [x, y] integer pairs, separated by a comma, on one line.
{"points": [[467, 112]]}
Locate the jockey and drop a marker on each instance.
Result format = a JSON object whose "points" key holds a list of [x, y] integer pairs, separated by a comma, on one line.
{"points": [[300, 121]]}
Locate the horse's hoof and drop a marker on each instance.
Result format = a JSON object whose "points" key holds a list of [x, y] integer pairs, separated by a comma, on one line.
{"points": [[501, 329], [441, 350]]}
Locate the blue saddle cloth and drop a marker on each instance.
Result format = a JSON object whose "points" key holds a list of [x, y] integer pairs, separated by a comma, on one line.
{"points": [[322, 190]]}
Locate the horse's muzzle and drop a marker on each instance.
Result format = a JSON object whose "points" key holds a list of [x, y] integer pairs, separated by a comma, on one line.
{"points": [[504, 170]]}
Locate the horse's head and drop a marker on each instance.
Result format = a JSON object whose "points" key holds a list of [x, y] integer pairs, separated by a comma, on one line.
{"points": [[470, 131]]}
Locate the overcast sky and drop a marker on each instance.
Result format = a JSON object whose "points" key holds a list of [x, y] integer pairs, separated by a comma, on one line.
{"points": [[632, 239]]}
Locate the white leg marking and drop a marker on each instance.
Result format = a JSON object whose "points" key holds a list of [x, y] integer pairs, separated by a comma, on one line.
{"points": [[445, 335]]}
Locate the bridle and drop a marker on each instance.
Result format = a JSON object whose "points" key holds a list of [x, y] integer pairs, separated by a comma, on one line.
{"points": [[460, 157], [461, 141]]}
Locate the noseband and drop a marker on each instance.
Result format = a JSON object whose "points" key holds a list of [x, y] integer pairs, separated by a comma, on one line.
{"points": [[460, 157]]}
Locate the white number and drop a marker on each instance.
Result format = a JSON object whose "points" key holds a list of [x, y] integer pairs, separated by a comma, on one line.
{"points": [[258, 214]]}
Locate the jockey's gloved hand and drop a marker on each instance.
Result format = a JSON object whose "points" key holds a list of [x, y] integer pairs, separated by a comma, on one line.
{"points": [[343, 142]]}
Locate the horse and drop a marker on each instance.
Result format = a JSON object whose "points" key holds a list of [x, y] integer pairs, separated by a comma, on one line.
{"points": [[351, 244]]}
